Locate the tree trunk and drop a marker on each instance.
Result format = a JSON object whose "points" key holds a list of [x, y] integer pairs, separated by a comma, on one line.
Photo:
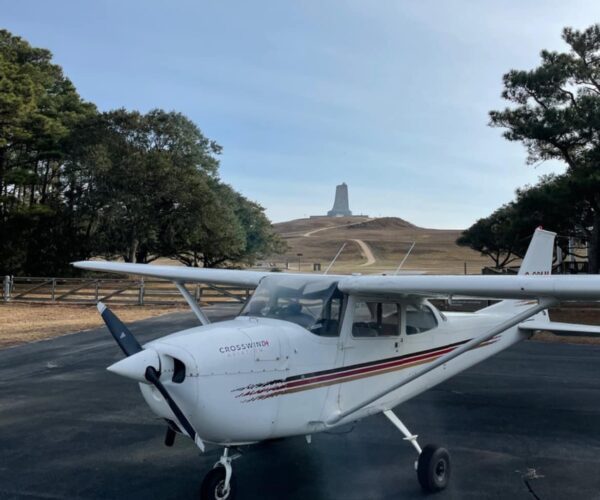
{"points": [[33, 184], [3, 156], [132, 254], [141, 255], [44, 188], [594, 244]]}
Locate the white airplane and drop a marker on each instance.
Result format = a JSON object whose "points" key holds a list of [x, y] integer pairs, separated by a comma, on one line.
{"points": [[311, 352]]}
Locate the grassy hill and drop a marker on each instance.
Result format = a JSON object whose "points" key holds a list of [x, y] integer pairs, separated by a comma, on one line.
{"points": [[375, 246]]}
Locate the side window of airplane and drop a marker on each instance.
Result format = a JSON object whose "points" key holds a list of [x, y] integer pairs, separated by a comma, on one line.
{"points": [[376, 319], [419, 319]]}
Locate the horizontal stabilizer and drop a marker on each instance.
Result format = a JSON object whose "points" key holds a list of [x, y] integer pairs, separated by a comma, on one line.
{"points": [[554, 326]]}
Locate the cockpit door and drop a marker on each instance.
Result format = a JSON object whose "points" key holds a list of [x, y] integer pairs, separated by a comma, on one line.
{"points": [[372, 343], [421, 325]]}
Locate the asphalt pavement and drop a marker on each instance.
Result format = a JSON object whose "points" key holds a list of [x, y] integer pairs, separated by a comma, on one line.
{"points": [[523, 425]]}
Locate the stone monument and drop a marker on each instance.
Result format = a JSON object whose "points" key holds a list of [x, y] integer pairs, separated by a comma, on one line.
{"points": [[341, 207]]}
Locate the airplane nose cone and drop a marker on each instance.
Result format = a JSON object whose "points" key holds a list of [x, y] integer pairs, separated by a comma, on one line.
{"points": [[134, 366]]}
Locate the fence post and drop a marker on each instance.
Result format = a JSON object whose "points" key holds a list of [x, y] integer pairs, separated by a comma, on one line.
{"points": [[53, 288], [96, 286], [141, 294], [6, 288]]}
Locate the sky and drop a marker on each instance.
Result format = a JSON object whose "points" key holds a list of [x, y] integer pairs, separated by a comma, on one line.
{"points": [[391, 97]]}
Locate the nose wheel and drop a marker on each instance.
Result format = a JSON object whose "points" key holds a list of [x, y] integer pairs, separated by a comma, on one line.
{"points": [[214, 486], [219, 483]]}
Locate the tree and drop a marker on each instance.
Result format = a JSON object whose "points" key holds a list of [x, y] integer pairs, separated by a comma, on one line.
{"points": [[556, 115], [38, 108], [259, 238], [220, 227], [492, 236], [75, 183], [555, 203], [145, 168]]}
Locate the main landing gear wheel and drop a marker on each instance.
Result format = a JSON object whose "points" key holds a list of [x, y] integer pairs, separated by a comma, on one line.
{"points": [[213, 485], [433, 468]]}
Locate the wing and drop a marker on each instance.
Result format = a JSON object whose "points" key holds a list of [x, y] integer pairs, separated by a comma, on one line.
{"points": [[494, 287], [179, 273]]}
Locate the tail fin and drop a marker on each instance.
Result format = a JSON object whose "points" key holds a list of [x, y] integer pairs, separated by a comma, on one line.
{"points": [[538, 259], [537, 262]]}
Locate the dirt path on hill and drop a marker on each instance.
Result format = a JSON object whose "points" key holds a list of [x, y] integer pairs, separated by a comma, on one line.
{"points": [[366, 251]]}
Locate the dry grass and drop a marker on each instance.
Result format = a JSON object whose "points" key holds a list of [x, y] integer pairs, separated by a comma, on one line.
{"points": [[300, 226], [389, 238], [21, 323]]}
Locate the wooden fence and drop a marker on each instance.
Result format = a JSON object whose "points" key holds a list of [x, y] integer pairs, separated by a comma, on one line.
{"points": [[578, 267], [114, 291]]}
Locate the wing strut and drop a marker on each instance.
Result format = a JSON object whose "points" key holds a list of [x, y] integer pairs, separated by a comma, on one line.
{"points": [[192, 303], [544, 303]]}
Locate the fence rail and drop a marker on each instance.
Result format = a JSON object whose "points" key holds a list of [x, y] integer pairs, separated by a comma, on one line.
{"points": [[566, 267], [114, 291]]}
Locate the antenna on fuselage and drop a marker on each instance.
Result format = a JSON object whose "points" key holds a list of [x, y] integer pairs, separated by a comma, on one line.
{"points": [[335, 258], [404, 259]]}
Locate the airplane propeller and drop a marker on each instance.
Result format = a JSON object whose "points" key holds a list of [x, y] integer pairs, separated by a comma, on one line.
{"points": [[138, 365], [127, 342]]}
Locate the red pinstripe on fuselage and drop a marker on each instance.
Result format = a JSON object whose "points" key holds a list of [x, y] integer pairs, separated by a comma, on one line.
{"points": [[307, 381]]}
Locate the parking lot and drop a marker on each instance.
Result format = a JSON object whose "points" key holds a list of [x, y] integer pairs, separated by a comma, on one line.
{"points": [[525, 424]]}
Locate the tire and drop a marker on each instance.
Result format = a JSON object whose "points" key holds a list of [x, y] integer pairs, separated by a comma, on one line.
{"points": [[212, 485], [433, 468]]}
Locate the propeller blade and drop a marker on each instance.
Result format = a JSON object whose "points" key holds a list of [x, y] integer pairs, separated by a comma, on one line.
{"points": [[127, 342], [153, 377], [132, 366]]}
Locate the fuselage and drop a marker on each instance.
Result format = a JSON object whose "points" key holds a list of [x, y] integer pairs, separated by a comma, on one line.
{"points": [[256, 378]]}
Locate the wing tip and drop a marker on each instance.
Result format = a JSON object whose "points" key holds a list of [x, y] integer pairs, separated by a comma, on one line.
{"points": [[101, 307]]}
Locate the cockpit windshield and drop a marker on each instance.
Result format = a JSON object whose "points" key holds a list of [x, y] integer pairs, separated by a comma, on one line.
{"points": [[315, 304]]}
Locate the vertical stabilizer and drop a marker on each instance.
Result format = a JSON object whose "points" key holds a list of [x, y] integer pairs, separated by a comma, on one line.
{"points": [[537, 262], [538, 259]]}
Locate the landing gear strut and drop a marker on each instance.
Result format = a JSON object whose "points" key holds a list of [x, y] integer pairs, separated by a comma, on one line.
{"points": [[433, 464], [219, 483]]}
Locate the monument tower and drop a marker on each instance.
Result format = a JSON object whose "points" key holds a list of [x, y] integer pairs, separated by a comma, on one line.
{"points": [[341, 207]]}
